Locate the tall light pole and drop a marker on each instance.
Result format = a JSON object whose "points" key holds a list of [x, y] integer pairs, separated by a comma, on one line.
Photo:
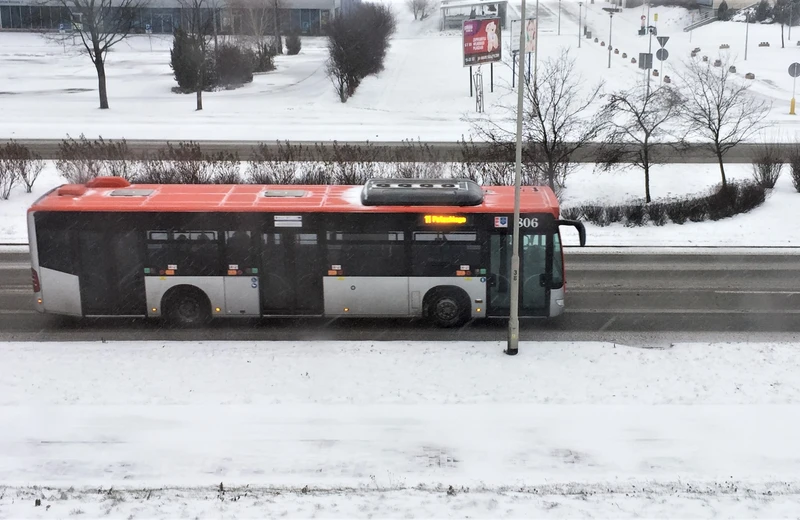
{"points": [[746, 34], [536, 50], [791, 12], [580, 23], [559, 17], [610, 22], [513, 319], [649, 46]]}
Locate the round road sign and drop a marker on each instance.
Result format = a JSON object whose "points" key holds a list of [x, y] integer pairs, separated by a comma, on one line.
{"points": [[662, 54], [794, 69]]}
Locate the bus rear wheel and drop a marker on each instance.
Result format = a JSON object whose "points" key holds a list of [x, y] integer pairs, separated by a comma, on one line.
{"points": [[448, 309], [187, 307]]}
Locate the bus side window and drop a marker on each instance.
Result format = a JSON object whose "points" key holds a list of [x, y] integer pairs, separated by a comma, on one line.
{"points": [[558, 267], [237, 249]]}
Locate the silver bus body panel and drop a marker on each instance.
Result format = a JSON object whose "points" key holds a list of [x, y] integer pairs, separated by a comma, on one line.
{"points": [[157, 286], [61, 293], [556, 302], [366, 296], [34, 250], [242, 296]]}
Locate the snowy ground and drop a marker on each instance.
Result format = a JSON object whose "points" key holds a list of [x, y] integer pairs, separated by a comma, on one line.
{"points": [[765, 226], [384, 429], [48, 90]]}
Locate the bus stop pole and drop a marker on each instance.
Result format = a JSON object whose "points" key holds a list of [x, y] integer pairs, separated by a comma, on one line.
{"points": [[513, 319]]}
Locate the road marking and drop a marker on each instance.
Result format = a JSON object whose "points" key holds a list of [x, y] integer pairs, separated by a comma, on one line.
{"points": [[14, 266], [681, 311], [16, 311], [694, 290], [608, 324]]}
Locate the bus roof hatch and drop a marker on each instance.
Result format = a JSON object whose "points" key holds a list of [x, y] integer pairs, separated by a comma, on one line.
{"points": [[421, 192]]}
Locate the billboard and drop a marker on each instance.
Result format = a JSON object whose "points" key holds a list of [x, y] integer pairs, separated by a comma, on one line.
{"points": [[482, 42], [530, 35]]}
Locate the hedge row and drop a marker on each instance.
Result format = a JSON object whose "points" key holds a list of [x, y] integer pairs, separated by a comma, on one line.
{"points": [[18, 166], [722, 202]]}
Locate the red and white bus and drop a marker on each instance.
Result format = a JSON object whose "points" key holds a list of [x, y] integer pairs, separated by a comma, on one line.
{"points": [[439, 249]]}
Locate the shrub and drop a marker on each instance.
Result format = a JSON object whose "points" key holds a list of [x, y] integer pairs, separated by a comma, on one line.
{"points": [[595, 214], [21, 165], [186, 57], [357, 45], [81, 160], [678, 211], [723, 12], [794, 165], [767, 166], [657, 213], [182, 164], [7, 180], [634, 215], [293, 44], [225, 168], [264, 58], [573, 213], [763, 11], [722, 202], [614, 213], [234, 65], [751, 195]]}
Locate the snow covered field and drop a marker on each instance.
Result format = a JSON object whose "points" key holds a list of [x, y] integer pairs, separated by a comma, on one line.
{"points": [[48, 90], [765, 226], [384, 429]]}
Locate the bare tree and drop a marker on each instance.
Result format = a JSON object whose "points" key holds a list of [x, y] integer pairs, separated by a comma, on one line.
{"points": [[719, 108], [638, 118], [555, 121], [276, 21], [420, 8], [101, 24], [201, 29]]}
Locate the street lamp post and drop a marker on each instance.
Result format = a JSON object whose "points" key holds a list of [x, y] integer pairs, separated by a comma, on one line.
{"points": [[610, 22], [746, 34], [513, 320], [580, 23], [559, 17]]}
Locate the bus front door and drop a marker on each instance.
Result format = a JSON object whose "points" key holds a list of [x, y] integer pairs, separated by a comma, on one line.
{"points": [[291, 279], [112, 274], [534, 294]]}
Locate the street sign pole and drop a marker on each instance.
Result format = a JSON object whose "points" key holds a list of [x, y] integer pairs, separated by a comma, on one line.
{"points": [[580, 23], [513, 319], [794, 71]]}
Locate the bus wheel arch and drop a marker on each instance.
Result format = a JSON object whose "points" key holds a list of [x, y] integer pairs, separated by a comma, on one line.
{"points": [[186, 306], [447, 306]]}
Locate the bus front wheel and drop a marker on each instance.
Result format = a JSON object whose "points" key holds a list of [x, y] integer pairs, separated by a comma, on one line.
{"points": [[187, 307], [449, 309]]}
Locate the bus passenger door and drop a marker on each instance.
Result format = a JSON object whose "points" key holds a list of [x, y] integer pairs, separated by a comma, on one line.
{"points": [[534, 299], [291, 279], [112, 273]]}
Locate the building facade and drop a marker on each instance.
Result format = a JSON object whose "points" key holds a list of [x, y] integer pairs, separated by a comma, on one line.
{"points": [[306, 17]]}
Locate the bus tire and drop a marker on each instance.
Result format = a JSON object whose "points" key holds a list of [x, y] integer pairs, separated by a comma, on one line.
{"points": [[448, 307], [187, 306]]}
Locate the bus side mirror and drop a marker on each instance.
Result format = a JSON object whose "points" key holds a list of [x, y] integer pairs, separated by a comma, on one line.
{"points": [[577, 225]]}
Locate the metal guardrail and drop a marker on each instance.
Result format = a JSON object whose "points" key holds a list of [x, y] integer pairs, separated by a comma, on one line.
{"points": [[408, 151]]}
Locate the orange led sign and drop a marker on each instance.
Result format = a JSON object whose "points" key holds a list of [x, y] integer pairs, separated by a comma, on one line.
{"points": [[445, 219]]}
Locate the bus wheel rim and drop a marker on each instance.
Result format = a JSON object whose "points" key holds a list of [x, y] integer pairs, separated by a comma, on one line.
{"points": [[446, 309], [189, 309]]}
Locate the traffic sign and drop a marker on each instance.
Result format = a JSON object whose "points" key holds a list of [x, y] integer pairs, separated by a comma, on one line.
{"points": [[794, 69], [662, 40], [662, 54], [645, 60]]}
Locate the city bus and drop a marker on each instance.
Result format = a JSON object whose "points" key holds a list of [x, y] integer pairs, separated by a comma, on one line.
{"points": [[187, 254]]}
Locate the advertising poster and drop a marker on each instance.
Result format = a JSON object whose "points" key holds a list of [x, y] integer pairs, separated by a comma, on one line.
{"points": [[530, 35], [482, 42]]}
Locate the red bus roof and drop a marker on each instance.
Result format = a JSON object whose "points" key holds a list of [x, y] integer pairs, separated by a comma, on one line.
{"points": [[99, 195]]}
